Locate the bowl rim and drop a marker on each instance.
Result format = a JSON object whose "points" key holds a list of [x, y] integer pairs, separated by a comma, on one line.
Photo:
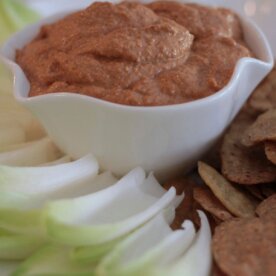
{"points": [[18, 72]]}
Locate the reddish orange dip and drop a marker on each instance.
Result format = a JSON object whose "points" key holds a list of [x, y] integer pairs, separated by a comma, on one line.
{"points": [[162, 53]]}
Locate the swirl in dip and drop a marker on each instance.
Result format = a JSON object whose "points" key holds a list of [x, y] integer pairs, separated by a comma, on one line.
{"points": [[158, 54]]}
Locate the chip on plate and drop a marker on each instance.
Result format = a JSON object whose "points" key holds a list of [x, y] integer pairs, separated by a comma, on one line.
{"points": [[264, 97], [241, 164], [268, 206], [245, 247], [211, 204], [270, 151], [263, 129], [233, 199]]}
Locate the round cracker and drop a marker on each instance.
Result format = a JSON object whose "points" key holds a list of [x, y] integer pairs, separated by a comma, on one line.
{"points": [[241, 164], [211, 204], [235, 201], [245, 247], [268, 206], [263, 129], [270, 151], [264, 97]]}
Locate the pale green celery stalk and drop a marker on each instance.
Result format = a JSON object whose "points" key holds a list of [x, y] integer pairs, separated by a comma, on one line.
{"points": [[17, 14], [107, 215], [5, 28], [22, 222], [33, 154], [8, 267], [41, 183], [31, 221], [53, 260], [17, 247], [93, 254], [154, 245], [4, 232], [198, 259], [23, 191], [14, 15]]}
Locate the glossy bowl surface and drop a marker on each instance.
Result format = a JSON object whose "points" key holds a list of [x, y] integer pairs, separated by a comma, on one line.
{"points": [[164, 139]]}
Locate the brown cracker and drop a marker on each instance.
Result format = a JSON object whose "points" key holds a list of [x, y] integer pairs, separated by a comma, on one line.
{"points": [[211, 204], [264, 97], [245, 247], [241, 164], [232, 199], [263, 129], [267, 206], [270, 151]]}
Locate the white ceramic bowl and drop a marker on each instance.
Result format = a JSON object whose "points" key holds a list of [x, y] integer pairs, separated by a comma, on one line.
{"points": [[163, 139]]}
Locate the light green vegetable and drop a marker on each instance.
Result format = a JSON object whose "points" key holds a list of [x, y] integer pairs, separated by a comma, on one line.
{"points": [[108, 214], [14, 15], [23, 190], [41, 183], [8, 267], [154, 245], [31, 221], [18, 13], [16, 247], [5, 28], [94, 254], [53, 260], [32, 154], [21, 222], [198, 259]]}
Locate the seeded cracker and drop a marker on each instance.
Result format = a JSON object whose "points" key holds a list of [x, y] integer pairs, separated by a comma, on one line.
{"points": [[263, 129], [264, 97], [211, 204], [241, 164], [245, 247], [267, 206], [234, 200], [270, 151]]}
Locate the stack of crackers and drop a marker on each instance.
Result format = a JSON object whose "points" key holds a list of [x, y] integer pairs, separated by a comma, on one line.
{"points": [[238, 190]]}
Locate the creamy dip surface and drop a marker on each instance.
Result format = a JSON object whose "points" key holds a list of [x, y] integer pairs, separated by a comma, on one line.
{"points": [[158, 54]]}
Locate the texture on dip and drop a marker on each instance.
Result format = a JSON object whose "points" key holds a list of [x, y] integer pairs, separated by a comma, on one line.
{"points": [[144, 55]]}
